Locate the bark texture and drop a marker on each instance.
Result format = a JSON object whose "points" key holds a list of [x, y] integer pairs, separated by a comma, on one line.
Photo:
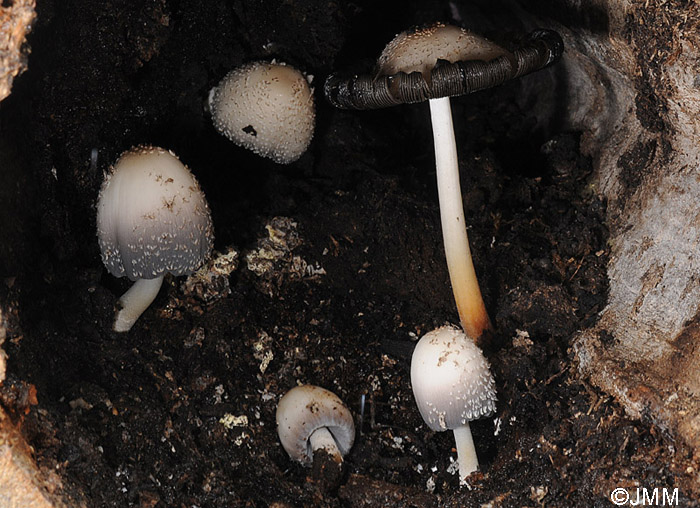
{"points": [[629, 81]]}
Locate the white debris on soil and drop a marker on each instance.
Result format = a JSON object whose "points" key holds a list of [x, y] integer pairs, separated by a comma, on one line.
{"points": [[453, 468], [219, 394], [273, 260], [230, 421], [266, 396], [374, 382], [497, 422], [262, 351], [522, 339], [538, 493], [239, 440], [210, 282]]}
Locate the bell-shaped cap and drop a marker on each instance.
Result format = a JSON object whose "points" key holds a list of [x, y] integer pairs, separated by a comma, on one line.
{"points": [[152, 216], [451, 380]]}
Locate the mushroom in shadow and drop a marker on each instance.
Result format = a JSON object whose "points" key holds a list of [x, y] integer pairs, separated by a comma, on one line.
{"points": [[267, 108], [152, 219], [434, 63]]}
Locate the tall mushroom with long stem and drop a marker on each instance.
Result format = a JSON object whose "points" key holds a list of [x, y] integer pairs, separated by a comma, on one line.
{"points": [[434, 63], [465, 285]]}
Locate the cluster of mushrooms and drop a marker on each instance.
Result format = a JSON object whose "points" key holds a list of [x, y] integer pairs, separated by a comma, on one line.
{"points": [[153, 218]]}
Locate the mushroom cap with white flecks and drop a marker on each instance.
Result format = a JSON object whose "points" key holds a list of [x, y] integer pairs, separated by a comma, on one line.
{"points": [[419, 49], [152, 216], [267, 108], [306, 408], [451, 380]]}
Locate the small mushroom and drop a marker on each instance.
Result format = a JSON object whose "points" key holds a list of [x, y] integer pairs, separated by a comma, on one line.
{"points": [[267, 108], [152, 219], [311, 418], [452, 385], [433, 63]]}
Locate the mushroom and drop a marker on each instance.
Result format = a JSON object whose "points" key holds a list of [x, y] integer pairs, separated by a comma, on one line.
{"points": [[267, 108], [452, 385], [433, 63], [152, 219], [311, 418]]}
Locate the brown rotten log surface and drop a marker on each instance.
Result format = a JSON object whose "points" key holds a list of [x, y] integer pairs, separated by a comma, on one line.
{"points": [[632, 89]]}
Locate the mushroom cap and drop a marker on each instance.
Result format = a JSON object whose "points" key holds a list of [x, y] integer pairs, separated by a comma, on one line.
{"points": [[267, 108], [451, 379], [440, 61], [302, 410], [419, 49], [152, 216]]}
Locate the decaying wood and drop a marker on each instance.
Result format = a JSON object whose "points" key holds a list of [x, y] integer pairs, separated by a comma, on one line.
{"points": [[635, 95], [15, 23]]}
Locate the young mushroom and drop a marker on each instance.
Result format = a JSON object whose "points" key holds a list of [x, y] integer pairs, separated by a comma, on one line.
{"points": [[433, 63], [311, 419], [452, 385], [267, 108], [152, 219]]}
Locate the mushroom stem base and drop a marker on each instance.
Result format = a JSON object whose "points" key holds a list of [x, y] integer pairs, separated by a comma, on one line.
{"points": [[465, 286], [321, 438], [466, 453], [135, 301]]}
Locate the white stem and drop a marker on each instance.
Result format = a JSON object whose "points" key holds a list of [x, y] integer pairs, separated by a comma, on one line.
{"points": [[466, 453], [465, 286], [136, 300], [322, 438]]}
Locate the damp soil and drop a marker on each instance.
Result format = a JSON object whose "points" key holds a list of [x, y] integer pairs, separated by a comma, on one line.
{"points": [[338, 270]]}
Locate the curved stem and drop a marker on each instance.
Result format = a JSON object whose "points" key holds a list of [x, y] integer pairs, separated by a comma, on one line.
{"points": [[135, 301], [465, 286], [322, 438], [466, 453]]}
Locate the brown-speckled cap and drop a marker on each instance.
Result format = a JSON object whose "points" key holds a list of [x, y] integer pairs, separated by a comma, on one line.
{"points": [[419, 49], [152, 216], [306, 408], [451, 379]]}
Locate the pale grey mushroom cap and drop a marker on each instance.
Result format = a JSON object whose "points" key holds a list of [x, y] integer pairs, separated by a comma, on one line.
{"points": [[267, 108], [419, 49], [306, 408], [451, 380], [152, 216]]}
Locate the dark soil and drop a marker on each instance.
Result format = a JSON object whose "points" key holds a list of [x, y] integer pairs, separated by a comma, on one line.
{"points": [[154, 417]]}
